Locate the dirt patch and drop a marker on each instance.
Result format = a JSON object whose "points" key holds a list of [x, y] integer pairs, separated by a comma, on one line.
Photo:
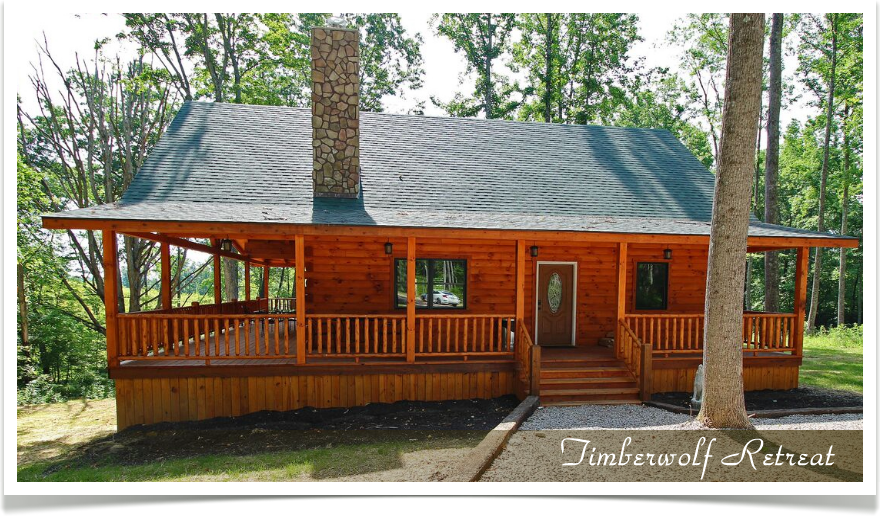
{"points": [[800, 398], [434, 424]]}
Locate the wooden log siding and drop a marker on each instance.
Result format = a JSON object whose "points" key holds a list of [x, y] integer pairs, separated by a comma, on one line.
{"points": [[671, 334]]}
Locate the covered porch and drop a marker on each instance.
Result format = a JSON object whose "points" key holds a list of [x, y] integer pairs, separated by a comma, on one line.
{"points": [[303, 334]]}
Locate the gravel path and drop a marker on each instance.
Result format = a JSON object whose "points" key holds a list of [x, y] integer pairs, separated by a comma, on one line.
{"points": [[614, 417], [534, 454]]}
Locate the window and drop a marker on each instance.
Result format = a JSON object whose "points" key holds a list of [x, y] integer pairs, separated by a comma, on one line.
{"points": [[440, 284], [652, 281]]}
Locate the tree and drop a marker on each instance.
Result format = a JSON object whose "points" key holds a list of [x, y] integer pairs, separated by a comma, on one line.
{"points": [[482, 38], [771, 168], [827, 42], [704, 40], [723, 401], [577, 65], [88, 140]]}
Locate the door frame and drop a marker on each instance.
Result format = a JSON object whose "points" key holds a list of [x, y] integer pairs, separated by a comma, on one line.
{"points": [[573, 299]]}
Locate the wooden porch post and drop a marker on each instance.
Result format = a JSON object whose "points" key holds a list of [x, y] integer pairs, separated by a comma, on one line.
{"points": [[300, 282], [165, 251], [218, 296], [621, 294], [247, 281], [266, 281], [520, 280], [111, 301], [411, 299], [802, 270]]}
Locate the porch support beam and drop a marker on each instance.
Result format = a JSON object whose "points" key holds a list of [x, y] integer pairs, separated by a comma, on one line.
{"points": [[247, 281], [165, 256], [266, 281], [411, 299], [621, 294], [520, 280], [218, 295], [111, 300], [188, 244], [802, 270], [300, 283]]}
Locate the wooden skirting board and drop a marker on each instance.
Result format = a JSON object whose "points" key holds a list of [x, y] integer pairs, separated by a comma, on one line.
{"points": [[755, 377], [155, 400]]}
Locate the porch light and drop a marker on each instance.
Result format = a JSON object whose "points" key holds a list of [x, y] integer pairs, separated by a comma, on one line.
{"points": [[389, 248], [534, 250], [226, 245], [667, 254]]}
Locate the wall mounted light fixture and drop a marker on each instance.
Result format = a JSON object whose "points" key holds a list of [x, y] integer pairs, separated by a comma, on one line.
{"points": [[534, 250], [667, 254], [389, 248]]}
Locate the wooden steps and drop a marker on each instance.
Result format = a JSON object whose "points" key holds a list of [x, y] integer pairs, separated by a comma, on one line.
{"points": [[576, 376]]}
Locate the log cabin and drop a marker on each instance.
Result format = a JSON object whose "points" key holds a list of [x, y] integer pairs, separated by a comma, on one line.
{"points": [[434, 259]]}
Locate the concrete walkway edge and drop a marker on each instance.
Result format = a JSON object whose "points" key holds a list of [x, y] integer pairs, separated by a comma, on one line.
{"points": [[480, 458]]}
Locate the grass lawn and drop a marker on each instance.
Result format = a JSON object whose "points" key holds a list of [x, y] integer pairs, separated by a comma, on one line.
{"points": [[833, 359], [76, 441]]}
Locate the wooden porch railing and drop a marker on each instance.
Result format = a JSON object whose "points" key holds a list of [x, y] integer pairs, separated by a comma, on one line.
{"points": [[671, 334], [281, 305], [528, 361], [265, 328], [356, 335], [464, 334], [181, 336], [638, 358]]}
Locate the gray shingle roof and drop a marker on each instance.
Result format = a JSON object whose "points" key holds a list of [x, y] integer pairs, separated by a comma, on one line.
{"points": [[242, 163]]}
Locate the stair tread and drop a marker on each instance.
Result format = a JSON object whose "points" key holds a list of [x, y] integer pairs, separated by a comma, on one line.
{"points": [[588, 402], [589, 392], [590, 379]]}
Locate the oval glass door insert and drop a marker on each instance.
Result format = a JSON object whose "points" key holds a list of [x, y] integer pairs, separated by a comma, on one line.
{"points": [[554, 292]]}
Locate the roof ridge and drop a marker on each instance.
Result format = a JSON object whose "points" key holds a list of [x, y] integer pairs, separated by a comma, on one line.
{"points": [[529, 123]]}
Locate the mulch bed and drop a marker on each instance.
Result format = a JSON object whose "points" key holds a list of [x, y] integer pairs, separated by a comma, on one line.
{"points": [[306, 428], [800, 398]]}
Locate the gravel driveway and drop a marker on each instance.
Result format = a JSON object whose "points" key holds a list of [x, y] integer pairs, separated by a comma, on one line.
{"points": [[535, 452]]}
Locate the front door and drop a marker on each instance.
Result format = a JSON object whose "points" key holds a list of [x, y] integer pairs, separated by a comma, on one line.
{"points": [[555, 304]]}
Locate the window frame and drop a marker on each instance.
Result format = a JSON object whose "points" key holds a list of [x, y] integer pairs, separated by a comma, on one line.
{"points": [[635, 288], [430, 300]]}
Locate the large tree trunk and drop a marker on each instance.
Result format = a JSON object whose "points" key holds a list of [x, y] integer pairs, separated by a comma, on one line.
{"points": [[841, 282], [488, 64], [548, 69], [23, 313], [814, 294], [723, 402], [230, 279], [771, 170]]}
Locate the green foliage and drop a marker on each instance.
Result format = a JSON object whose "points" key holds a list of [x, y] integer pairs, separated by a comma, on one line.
{"points": [[482, 38], [266, 59]]}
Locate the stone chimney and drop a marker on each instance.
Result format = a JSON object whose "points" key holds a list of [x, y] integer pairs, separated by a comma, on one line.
{"points": [[335, 117]]}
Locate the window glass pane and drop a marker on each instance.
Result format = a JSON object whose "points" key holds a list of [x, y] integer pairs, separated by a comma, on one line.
{"points": [[448, 277], [400, 283], [439, 283], [651, 286]]}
